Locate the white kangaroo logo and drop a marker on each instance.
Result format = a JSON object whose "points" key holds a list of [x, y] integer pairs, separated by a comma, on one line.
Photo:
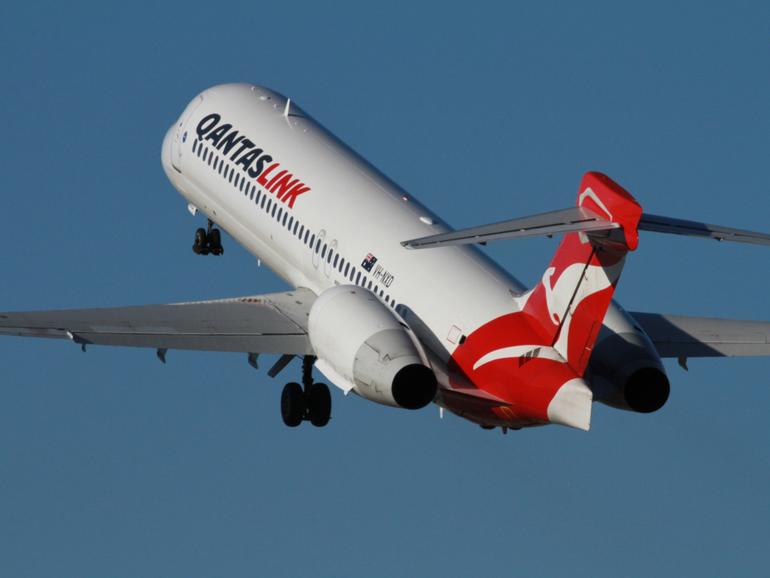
{"points": [[550, 300], [590, 194]]}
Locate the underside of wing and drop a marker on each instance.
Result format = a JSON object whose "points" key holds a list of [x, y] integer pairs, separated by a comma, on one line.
{"points": [[681, 336], [274, 323]]}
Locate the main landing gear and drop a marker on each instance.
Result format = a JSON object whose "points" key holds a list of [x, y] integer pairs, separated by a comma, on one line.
{"points": [[309, 401], [208, 240]]}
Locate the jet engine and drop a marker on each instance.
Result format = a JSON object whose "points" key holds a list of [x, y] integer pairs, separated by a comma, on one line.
{"points": [[625, 372], [364, 345]]}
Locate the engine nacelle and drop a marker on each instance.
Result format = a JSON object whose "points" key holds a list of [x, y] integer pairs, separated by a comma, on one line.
{"points": [[364, 342], [625, 370]]}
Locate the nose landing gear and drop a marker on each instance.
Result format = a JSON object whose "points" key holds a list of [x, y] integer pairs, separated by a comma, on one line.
{"points": [[208, 240], [311, 403]]}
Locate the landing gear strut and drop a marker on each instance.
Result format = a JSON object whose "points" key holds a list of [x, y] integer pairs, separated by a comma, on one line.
{"points": [[307, 402], [208, 240]]}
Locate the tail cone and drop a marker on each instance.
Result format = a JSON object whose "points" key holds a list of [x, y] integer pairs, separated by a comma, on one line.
{"points": [[571, 406]]}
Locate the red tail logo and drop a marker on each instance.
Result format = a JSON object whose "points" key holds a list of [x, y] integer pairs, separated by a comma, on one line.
{"points": [[527, 356]]}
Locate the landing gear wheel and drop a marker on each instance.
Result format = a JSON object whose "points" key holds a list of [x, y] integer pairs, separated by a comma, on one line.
{"points": [[201, 244], [215, 242], [319, 404], [292, 404]]}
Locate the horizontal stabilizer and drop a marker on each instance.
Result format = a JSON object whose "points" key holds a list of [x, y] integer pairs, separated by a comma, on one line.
{"points": [[582, 220], [695, 229], [681, 336], [572, 220]]}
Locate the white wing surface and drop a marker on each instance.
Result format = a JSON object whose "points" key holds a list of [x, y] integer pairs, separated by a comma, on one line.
{"points": [[274, 323], [680, 336]]}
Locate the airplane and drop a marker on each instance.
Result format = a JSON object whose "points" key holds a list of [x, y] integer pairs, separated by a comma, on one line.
{"points": [[390, 303]]}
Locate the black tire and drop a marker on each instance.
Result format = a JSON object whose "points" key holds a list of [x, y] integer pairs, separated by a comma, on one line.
{"points": [[201, 245], [292, 404], [319, 404], [215, 242]]}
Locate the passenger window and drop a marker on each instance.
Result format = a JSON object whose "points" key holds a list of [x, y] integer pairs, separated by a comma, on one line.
{"points": [[280, 212], [336, 260], [264, 198], [318, 245], [323, 252], [358, 278], [275, 207], [312, 241], [285, 215], [269, 204], [296, 225], [291, 222], [347, 268]]}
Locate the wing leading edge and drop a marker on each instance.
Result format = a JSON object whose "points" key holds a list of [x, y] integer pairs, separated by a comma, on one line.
{"points": [[273, 323]]}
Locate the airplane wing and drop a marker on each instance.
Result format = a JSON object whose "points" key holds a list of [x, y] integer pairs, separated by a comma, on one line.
{"points": [[274, 323], [680, 336]]}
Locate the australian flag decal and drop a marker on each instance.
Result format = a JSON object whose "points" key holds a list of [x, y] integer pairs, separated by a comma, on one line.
{"points": [[369, 262]]}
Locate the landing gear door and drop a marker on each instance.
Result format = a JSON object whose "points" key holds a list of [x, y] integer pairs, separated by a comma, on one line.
{"points": [[181, 137]]}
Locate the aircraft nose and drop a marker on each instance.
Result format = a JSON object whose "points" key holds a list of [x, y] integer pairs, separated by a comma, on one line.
{"points": [[165, 151]]}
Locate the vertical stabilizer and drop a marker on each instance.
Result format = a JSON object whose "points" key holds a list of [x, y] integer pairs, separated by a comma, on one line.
{"points": [[568, 306]]}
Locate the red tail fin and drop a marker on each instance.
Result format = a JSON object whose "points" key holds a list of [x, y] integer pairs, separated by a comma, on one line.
{"points": [[569, 305]]}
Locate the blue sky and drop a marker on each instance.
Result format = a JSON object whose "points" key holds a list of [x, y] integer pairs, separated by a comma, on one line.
{"points": [[112, 464]]}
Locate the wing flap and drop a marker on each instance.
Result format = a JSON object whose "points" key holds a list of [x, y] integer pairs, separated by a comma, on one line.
{"points": [[682, 336], [275, 323]]}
